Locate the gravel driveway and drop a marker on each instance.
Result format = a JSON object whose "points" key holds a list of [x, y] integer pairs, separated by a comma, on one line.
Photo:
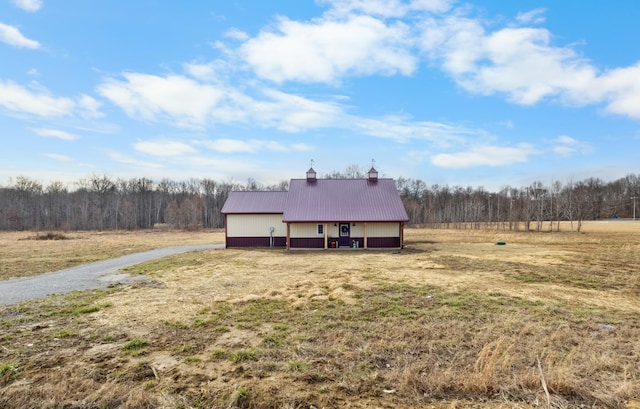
{"points": [[100, 274]]}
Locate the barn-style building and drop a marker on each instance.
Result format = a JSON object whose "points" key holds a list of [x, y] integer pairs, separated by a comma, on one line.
{"points": [[318, 214]]}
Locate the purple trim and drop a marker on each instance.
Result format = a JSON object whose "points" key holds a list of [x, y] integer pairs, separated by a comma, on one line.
{"points": [[307, 243], [241, 242], [383, 242], [372, 242]]}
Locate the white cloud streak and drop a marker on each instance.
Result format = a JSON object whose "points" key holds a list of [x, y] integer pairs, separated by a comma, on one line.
{"points": [[164, 148], [486, 155], [127, 160], [28, 5], [54, 133], [224, 145], [17, 98], [37, 100], [386, 8], [12, 36], [566, 146], [56, 156], [535, 16]]}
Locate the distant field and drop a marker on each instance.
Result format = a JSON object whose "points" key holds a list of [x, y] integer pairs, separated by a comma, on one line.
{"points": [[451, 321]]}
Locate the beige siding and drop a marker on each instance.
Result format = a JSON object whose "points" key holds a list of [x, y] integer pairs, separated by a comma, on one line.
{"points": [[255, 225], [387, 229], [357, 230], [305, 230]]}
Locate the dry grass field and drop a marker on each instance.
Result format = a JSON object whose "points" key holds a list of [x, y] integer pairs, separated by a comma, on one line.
{"points": [[451, 321]]}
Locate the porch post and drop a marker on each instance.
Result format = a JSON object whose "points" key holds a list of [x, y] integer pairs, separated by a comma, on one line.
{"points": [[326, 237], [288, 236], [365, 235], [402, 235]]}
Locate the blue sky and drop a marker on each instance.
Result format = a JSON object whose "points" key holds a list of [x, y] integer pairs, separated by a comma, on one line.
{"points": [[472, 93]]}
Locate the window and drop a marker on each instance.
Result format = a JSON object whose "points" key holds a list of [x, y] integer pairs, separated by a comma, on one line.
{"points": [[321, 229]]}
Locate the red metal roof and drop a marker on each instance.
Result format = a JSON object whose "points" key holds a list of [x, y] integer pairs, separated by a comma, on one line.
{"points": [[333, 200], [255, 202]]}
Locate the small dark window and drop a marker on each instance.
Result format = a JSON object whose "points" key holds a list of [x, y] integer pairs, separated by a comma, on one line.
{"points": [[321, 229]]}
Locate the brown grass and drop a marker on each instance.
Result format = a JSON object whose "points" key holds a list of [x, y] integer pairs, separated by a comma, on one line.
{"points": [[452, 321], [24, 254]]}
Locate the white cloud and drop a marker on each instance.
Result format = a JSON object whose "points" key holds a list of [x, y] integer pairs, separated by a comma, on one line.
{"points": [[186, 102], [56, 156], [236, 34], [127, 160], [434, 6], [621, 89], [164, 148], [12, 36], [385, 8], [402, 129], [183, 101], [484, 156], [382, 8], [223, 145], [270, 108], [566, 146], [302, 147], [89, 107], [231, 146], [204, 72], [324, 50], [19, 99], [29, 5], [37, 100], [54, 133], [523, 64], [293, 113], [535, 16], [519, 62]]}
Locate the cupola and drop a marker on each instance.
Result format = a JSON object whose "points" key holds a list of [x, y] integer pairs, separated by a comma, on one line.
{"points": [[311, 175], [373, 174]]}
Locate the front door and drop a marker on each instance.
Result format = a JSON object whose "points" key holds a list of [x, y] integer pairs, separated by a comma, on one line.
{"points": [[345, 235]]}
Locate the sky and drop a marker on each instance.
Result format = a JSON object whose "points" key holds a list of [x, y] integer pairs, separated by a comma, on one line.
{"points": [[489, 93]]}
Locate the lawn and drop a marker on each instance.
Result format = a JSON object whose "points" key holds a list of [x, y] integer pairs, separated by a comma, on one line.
{"points": [[452, 320]]}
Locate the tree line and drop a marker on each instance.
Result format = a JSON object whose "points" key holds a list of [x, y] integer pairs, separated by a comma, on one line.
{"points": [[100, 202], [534, 207]]}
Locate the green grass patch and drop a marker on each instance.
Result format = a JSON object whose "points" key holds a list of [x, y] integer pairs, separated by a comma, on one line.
{"points": [[192, 360], [297, 366], [136, 347], [243, 356], [91, 308], [65, 333], [274, 340], [175, 324], [219, 355], [8, 368]]}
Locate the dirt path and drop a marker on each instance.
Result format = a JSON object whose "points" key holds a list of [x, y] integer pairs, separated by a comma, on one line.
{"points": [[95, 275]]}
